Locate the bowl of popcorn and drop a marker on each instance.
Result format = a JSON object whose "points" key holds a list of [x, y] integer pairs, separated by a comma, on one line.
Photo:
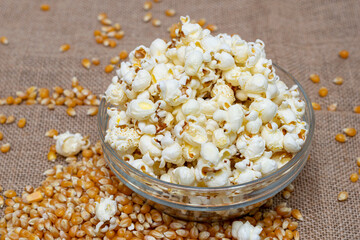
{"points": [[205, 127]]}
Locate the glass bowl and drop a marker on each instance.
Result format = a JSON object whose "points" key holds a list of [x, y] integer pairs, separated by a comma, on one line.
{"points": [[209, 203]]}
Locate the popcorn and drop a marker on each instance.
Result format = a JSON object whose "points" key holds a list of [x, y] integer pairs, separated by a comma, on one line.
{"points": [[68, 144], [104, 211], [204, 111], [245, 231]]}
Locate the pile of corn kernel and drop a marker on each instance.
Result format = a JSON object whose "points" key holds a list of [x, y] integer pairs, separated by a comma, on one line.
{"points": [[66, 204]]}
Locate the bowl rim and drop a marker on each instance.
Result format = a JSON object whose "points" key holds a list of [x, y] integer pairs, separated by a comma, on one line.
{"points": [[278, 172]]}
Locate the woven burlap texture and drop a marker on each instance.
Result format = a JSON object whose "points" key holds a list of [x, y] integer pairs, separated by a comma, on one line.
{"points": [[303, 37]]}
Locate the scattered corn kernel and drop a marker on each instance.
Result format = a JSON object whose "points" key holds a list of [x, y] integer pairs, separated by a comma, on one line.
{"points": [[2, 118], [297, 215], [147, 5], [115, 60], [10, 193], [147, 17], [106, 21], [314, 78], [5, 148], [340, 137], [10, 119], [323, 92], [17, 101], [92, 111], [123, 54], [357, 109], [4, 40], [286, 194], [86, 63], [21, 123], [101, 16], [34, 197], [316, 106], [338, 80], [64, 47], [51, 156], [95, 61], [350, 131], [354, 177], [119, 35], [332, 107], [112, 43], [212, 27], [45, 7], [156, 22], [44, 92], [97, 33], [109, 68], [358, 161], [71, 112], [1, 136], [117, 26], [344, 54], [10, 100], [51, 133], [170, 12], [342, 196], [202, 22]]}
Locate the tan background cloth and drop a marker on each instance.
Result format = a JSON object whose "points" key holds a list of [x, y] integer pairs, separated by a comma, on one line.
{"points": [[304, 37]]}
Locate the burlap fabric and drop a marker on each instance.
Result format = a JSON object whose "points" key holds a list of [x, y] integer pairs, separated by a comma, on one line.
{"points": [[304, 37]]}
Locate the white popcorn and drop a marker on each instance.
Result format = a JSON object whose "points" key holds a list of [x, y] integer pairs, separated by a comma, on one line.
{"points": [[265, 107], [191, 107], [209, 152], [245, 231], [104, 211], [124, 140], [193, 62], [141, 109], [173, 154], [115, 94], [203, 110], [292, 142], [141, 81], [250, 148], [148, 145], [158, 50], [184, 176], [273, 137], [68, 144]]}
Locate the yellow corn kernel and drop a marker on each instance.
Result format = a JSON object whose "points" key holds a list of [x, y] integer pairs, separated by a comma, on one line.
{"points": [[212, 27], [51, 133], [332, 107], [2, 118], [147, 17], [202, 22], [64, 47], [358, 161], [92, 111], [170, 12], [147, 5], [51, 156], [338, 80], [86, 63], [123, 54], [344, 54], [45, 7], [4, 40], [10, 100], [297, 215], [117, 26], [119, 35], [97, 33], [21, 123], [112, 43], [156, 22], [354, 177], [95, 61], [357, 109], [17, 101], [340, 137], [44, 92], [115, 60], [34, 197], [10, 119], [314, 78], [71, 112], [342, 196], [1, 136], [350, 131], [102, 16], [5, 148], [316, 106], [109, 68], [323, 92]]}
